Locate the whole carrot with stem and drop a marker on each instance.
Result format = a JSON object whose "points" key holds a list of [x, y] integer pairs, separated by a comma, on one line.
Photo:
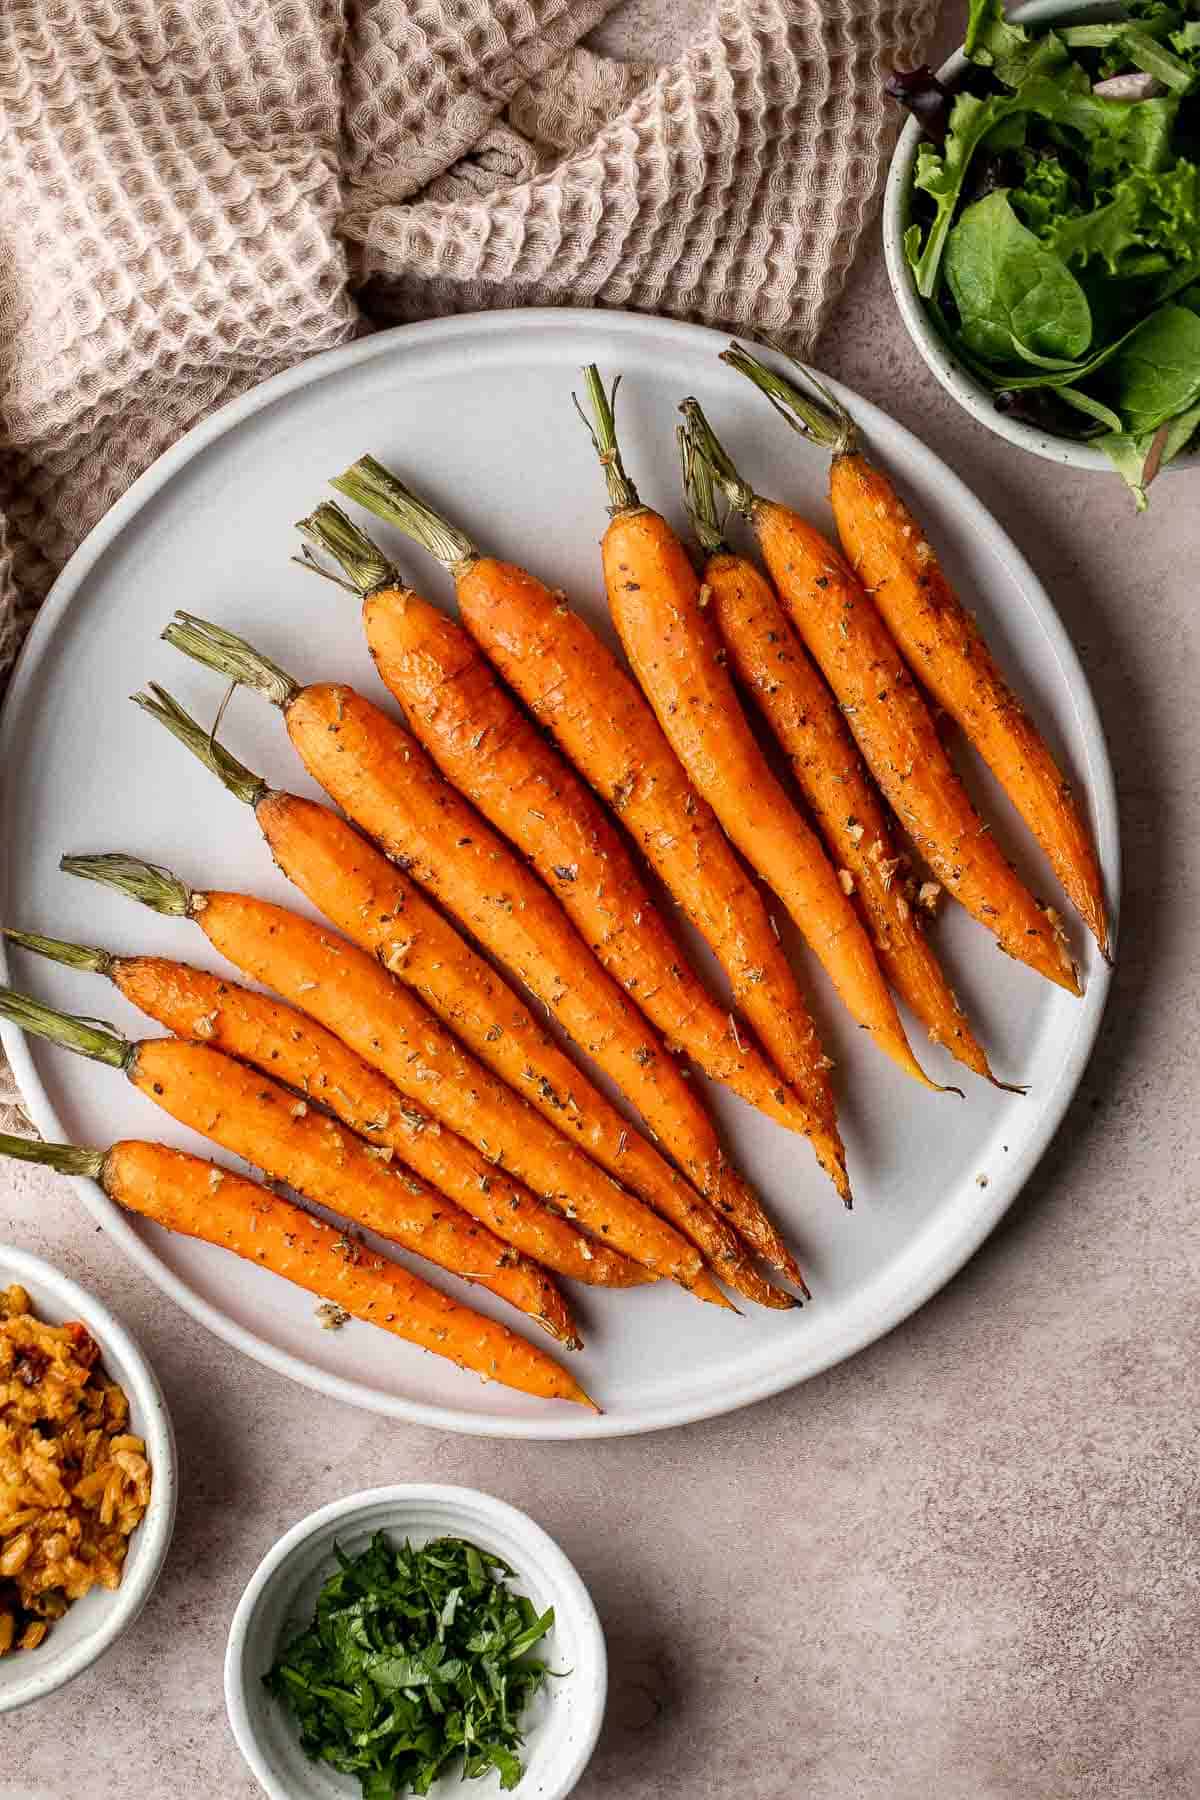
{"points": [[252, 1116], [492, 751], [577, 689], [260, 1030], [353, 996], [776, 669], [379, 909], [199, 1199], [658, 608], [847, 638], [898, 567]]}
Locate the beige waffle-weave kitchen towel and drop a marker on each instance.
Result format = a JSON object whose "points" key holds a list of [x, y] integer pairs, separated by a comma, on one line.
{"points": [[195, 194]]}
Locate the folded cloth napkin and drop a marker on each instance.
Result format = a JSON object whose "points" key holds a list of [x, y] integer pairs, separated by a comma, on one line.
{"points": [[195, 194]]}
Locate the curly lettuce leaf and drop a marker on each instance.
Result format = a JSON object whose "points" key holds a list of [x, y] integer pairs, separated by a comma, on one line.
{"points": [[1048, 194], [1186, 42], [1120, 137], [1151, 222]]}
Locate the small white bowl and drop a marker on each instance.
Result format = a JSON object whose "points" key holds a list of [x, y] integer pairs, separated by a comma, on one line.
{"points": [[564, 1719], [937, 355], [92, 1625]]}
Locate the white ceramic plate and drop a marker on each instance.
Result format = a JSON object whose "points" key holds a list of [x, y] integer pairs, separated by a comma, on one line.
{"points": [[92, 1625], [478, 411], [563, 1721]]}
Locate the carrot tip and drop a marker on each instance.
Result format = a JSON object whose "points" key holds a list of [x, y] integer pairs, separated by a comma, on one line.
{"points": [[1008, 1087], [580, 1398], [747, 1281], [779, 1299], [787, 1265], [705, 1288]]}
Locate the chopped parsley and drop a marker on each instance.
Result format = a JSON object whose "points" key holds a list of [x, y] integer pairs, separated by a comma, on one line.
{"points": [[414, 1658]]}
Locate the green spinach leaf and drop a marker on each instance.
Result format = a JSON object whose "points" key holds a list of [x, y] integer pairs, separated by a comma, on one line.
{"points": [[1010, 290], [1156, 374]]}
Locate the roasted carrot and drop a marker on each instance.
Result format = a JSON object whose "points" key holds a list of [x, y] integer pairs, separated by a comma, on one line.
{"points": [[362, 757], [775, 667], [201, 1200], [891, 724], [492, 751], [673, 644], [252, 1116], [354, 997], [260, 1030], [898, 567], [575, 687]]}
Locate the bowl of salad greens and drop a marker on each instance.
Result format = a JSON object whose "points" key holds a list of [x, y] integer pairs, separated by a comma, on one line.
{"points": [[409, 1638], [1042, 229]]}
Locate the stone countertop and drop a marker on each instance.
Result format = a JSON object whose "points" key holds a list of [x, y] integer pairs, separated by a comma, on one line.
{"points": [[964, 1564]]}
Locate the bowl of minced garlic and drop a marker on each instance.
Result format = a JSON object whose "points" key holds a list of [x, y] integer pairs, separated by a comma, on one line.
{"points": [[87, 1479]]}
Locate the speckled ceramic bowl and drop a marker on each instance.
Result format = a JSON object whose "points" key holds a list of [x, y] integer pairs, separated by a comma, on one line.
{"points": [[564, 1719], [939, 358], [92, 1625]]}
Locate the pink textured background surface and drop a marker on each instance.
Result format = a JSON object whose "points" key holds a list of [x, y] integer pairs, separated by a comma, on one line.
{"points": [[964, 1565]]}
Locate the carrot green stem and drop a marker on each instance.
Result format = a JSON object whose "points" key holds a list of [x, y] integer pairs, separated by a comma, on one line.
{"points": [[145, 882], [370, 484], [312, 565], [64, 1157], [231, 656], [242, 782], [75, 956], [64, 1029], [708, 448], [827, 424], [362, 561], [602, 429], [700, 494]]}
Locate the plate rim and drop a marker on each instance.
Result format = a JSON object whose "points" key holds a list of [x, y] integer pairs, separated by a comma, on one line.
{"points": [[1003, 1191]]}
